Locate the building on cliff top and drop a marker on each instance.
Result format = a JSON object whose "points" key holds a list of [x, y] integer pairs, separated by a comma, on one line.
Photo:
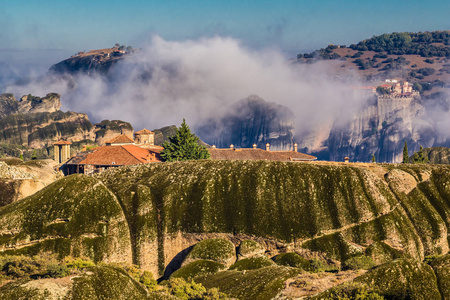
{"points": [[102, 158], [119, 151], [255, 153]]}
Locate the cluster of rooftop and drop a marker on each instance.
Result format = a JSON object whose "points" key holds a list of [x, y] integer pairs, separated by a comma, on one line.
{"points": [[125, 151]]}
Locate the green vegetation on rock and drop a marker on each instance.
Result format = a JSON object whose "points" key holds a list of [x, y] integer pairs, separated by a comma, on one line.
{"points": [[252, 263], [15, 291], [76, 215], [106, 282], [249, 248], [186, 290], [358, 263], [441, 266], [403, 279], [219, 250], [262, 284], [292, 259], [197, 268], [350, 291]]}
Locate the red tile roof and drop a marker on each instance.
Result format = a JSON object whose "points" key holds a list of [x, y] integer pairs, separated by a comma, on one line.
{"points": [[62, 142], [121, 139], [144, 131], [257, 154], [120, 156]]}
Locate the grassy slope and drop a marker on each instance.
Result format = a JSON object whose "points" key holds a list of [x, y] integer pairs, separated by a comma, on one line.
{"points": [[338, 210]]}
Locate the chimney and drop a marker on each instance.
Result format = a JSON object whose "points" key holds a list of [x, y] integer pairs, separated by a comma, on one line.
{"points": [[231, 146], [346, 159], [295, 147], [254, 146], [267, 147]]}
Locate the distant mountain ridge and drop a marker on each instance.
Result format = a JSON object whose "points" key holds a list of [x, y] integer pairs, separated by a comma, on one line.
{"points": [[415, 57]]}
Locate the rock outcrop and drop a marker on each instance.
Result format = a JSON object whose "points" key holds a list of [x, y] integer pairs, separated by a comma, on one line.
{"points": [[94, 61], [307, 207], [251, 121], [76, 215], [20, 179], [28, 104], [36, 123]]}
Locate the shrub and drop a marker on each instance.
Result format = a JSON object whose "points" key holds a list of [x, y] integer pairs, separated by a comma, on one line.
{"points": [[148, 280], [319, 265], [41, 266], [358, 262], [190, 290], [144, 277], [78, 263]]}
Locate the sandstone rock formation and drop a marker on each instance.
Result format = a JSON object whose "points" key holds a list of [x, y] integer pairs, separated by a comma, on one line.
{"points": [[153, 215], [94, 61], [20, 179], [37, 123], [251, 121]]}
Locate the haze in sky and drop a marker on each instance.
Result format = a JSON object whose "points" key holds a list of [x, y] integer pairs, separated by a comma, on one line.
{"points": [[198, 57], [289, 25]]}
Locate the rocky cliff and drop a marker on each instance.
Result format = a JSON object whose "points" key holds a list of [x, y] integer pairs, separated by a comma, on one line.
{"points": [[436, 155], [91, 62], [381, 129], [36, 123], [19, 179], [28, 104], [251, 121], [151, 215]]}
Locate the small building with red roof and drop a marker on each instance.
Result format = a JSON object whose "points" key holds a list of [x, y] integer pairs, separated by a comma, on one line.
{"points": [[119, 151], [105, 157], [145, 137], [120, 140]]}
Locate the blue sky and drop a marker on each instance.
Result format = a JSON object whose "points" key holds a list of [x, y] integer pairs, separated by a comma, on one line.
{"points": [[292, 26]]}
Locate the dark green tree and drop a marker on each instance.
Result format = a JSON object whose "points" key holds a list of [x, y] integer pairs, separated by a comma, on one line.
{"points": [[420, 158], [373, 158], [183, 146], [383, 91], [405, 153], [34, 156]]}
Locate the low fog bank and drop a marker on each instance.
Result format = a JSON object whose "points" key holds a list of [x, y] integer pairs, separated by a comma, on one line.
{"points": [[168, 81], [23, 66]]}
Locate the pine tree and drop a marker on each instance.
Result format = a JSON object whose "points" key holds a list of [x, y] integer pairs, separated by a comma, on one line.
{"points": [[420, 158], [373, 158], [183, 146], [21, 156], [405, 154]]}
